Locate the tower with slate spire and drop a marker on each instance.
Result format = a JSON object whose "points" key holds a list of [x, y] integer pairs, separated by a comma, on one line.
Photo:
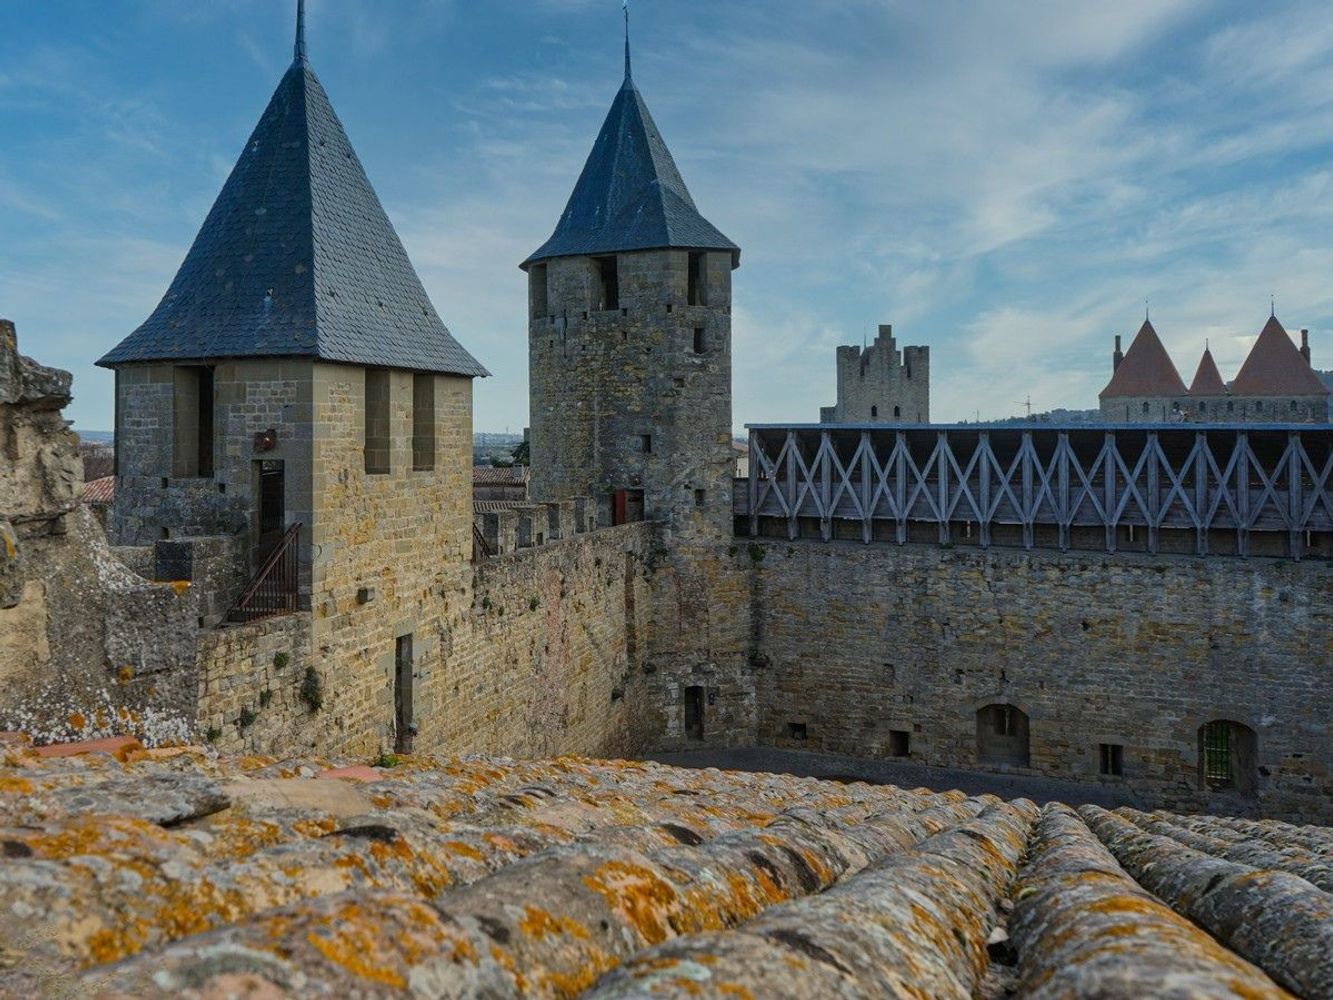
{"points": [[296, 382], [630, 339]]}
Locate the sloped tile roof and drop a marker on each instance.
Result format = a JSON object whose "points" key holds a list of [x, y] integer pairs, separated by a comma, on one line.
{"points": [[630, 195], [1276, 367], [502, 475], [100, 491], [167, 873], [298, 259], [1146, 369], [1207, 379]]}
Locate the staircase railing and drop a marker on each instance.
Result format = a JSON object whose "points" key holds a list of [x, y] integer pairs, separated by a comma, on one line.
{"points": [[275, 589], [481, 549]]}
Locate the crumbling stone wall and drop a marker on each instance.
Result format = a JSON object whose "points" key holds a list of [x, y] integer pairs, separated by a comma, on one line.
{"points": [[81, 636], [862, 641]]}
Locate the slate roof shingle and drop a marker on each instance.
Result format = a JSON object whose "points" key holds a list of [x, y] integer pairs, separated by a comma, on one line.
{"points": [[1146, 369], [298, 259], [630, 195]]}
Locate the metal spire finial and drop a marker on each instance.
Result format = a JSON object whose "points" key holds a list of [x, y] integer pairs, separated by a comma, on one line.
{"points": [[1272, 306], [625, 5], [300, 31], [1145, 312]]}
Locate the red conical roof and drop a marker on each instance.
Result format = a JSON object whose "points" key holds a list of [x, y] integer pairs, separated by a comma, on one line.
{"points": [[1146, 370], [1208, 380], [1276, 367]]}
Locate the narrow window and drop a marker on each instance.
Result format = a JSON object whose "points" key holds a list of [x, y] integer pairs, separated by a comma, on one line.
{"points": [[900, 741], [874, 412], [699, 344], [1203, 407], [1293, 406], [646, 443], [696, 279], [694, 713], [796, 731], [609, 274], [423, 422], [537, 294], [404, 726], [1258, 406], [699, 497], [897, 412], [1145, 407], [192, 423], [1112, 759], [1231, 406], [376, 415]]}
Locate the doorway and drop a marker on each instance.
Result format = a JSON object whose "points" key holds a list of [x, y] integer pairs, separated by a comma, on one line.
{"points": [[694, 713], [271, 513], [1002, 735], [403, 727]]}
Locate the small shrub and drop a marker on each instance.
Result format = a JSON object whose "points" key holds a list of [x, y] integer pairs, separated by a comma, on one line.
{"points": [[265, 697], [532, 604], [247, 718], [757, 553], [312, 690], [732, 550], [387, 760], [280, 660], [485, 604], [213, 735]]}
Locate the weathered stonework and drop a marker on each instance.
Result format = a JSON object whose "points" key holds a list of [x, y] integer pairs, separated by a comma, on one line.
{"points": [[620, 398], [881, 384], [862, 641]]}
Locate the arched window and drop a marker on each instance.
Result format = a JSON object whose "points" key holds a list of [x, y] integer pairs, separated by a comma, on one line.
{"points": [[897, 411], [1002, 735], [1145, 406], [1228, 754], [874, 411]]}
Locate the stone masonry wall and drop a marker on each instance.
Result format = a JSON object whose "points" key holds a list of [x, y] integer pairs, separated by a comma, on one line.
{"points": [[859, 641], [880, 384], [602, 380]]}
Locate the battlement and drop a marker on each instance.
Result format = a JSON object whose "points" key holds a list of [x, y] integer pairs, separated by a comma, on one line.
{"points": [[880, 383]]}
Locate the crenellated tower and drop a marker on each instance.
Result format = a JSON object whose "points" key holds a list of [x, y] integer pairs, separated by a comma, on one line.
{"points": [[630, 339]]}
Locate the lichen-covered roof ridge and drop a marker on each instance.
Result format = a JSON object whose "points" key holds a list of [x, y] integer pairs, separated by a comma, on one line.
{"points": [[572, 877]]}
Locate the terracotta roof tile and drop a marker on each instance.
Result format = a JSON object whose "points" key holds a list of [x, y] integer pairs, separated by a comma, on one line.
{"points": [[1207, 379], [100, 491], [153, 877], [1276, 367], [1146, 369]]}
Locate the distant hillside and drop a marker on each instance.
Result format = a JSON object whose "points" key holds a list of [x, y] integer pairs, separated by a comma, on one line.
{"points": [[1328, 379], [96, 437]]}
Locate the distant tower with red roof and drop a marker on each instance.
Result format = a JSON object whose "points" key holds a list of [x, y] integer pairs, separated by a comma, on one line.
{"points": [[1275, 385]]}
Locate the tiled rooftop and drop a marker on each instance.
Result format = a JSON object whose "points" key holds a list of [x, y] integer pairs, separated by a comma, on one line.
{"points": [[138, 873]]}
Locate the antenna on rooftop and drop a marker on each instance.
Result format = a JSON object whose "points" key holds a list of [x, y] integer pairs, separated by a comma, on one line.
{"points": [[300, 30], [1272, 305], [1145, 311], [1028, 403], [625, 5]]}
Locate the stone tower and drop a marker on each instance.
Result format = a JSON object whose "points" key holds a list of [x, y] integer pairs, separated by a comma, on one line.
{"points": [[881, 384], [629, 339], [295, 387]]}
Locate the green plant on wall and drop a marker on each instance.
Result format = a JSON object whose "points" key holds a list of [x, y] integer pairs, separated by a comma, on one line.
{"points": [[280, 660], [247, 718], [312, 690], [265, 697], [213, 735]]}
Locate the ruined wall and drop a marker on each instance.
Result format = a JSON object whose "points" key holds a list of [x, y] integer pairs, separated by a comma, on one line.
{"points": [[861, 641], [82, 637]]}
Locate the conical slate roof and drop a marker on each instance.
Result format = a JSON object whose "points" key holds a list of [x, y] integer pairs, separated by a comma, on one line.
{"points": [[1146, 369], [1276, 367], [1207, 379], [298, 259], [630, 195]]}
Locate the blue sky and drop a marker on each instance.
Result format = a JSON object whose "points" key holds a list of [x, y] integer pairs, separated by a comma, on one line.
{"points": [[1004, 181]]}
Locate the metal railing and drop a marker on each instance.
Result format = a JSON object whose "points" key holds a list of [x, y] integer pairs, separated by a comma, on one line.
{"points": [[481, 549], [275, 589]]}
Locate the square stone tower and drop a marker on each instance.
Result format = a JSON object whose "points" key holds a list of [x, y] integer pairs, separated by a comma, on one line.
{"points": [[296, 387], [629, 339]]}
